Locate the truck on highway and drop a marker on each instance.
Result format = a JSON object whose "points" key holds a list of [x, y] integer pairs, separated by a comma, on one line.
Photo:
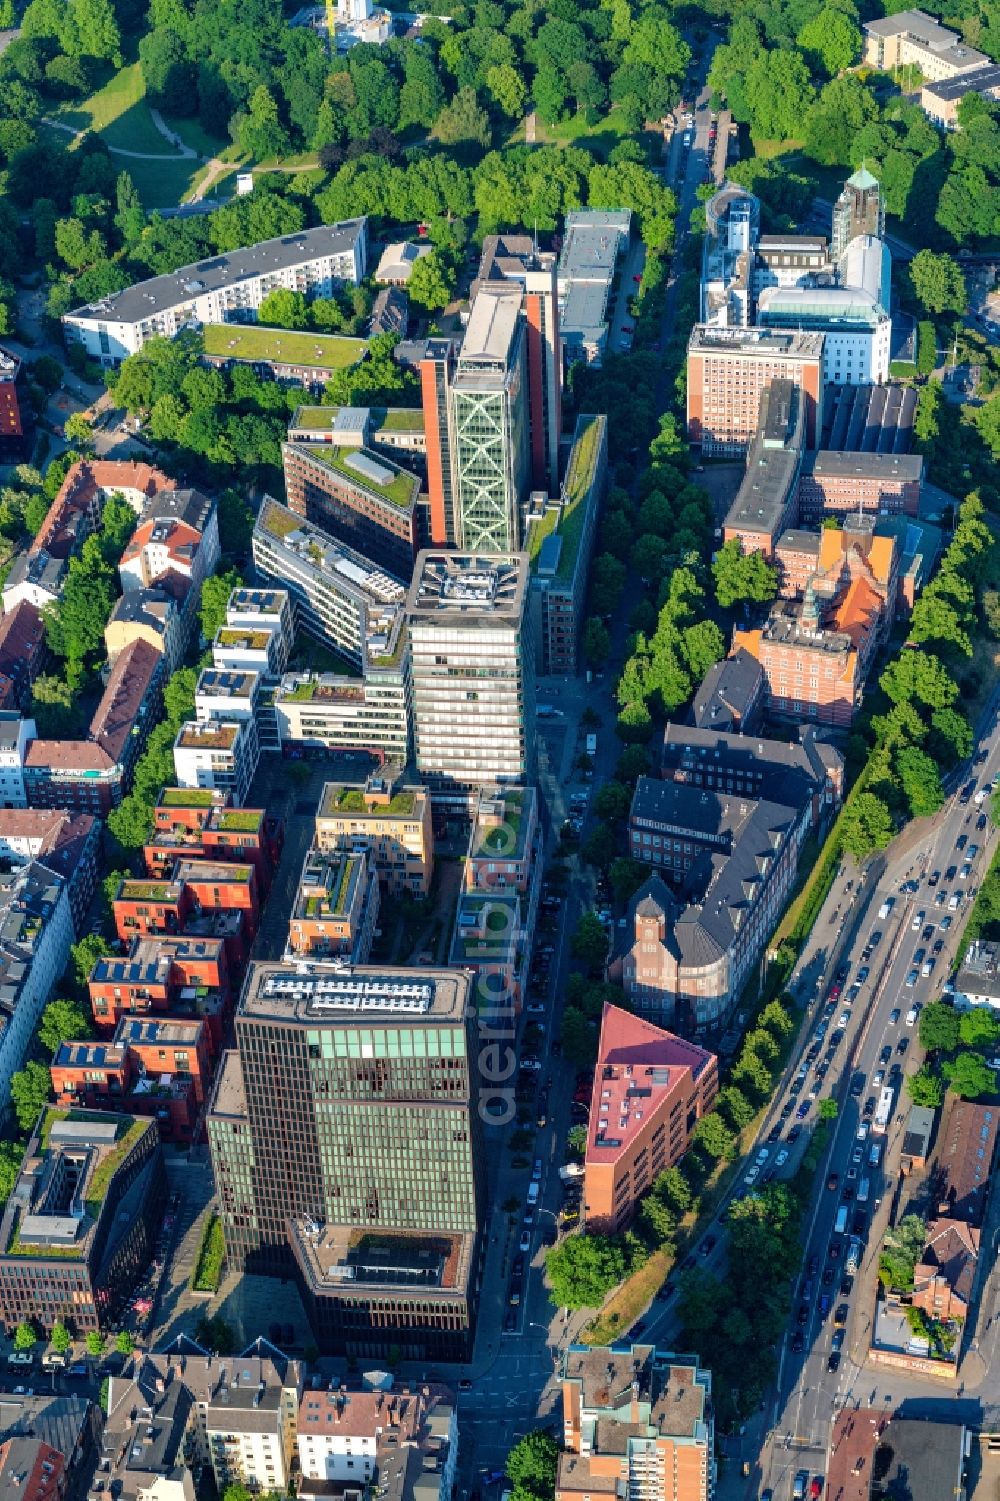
{"points": [[885, 908], [863, 1190], [883, 1110], [853, 1258], [591, 745]]}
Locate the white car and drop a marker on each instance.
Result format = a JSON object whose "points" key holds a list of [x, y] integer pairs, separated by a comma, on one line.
{"points": [[843, 1019], [752, 1176], [781, 1158], [762, 1156], [918, 920], [861, 1134], [524, 1244]]}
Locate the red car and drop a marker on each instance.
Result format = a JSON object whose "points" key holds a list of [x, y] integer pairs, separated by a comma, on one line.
{"points": [[627, 328], [637, 279], [816, 1489]]}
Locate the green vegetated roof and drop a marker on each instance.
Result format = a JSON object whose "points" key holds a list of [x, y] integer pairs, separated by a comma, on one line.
{"points": [[399, 419], [580, 476], [352, 800], [239, 820], [187, 797], [250, 341], [401, 490], [145, 891]]}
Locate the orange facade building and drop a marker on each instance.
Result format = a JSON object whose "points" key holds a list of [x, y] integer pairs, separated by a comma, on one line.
{"points": [[636, 1423], [650, 1090]]}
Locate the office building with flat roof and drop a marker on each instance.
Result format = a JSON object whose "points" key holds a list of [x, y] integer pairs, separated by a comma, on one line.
{"points": [[594, 240], [339, 597], [636, 1421], [912, 37], [226, 288], [840, 483], [335, 907], [728, 368], [345, 1140], [473, 672], [79, 1227], [940, 101], [490, 447], [358, 496], [767, 499]]}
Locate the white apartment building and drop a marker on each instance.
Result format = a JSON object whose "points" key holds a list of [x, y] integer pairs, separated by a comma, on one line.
{"points": [[472, 653], [36, 931], [15, 735], [258, 634], [217, 753], [227, 288], [406, 1443]]}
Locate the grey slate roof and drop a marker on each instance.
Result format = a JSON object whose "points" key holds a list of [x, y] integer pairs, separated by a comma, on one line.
{"points": [[727, 692], [147, 298]]}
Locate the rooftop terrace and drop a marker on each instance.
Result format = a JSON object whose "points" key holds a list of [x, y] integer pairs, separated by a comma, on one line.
{"points": [[250, 341]]}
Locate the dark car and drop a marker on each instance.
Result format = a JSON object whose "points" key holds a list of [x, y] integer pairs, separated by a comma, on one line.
{"points": [[859, 1223], [981, 823], [848, 1193], [510, 1322], [708, 1245], [885, 1054], [833, 1361], [775, 1133], [833, 1180], [858, 1085], [869, 1106], [666, 1292], [833, 1250], [951, 872], [846, 1285], [840, 1317], [902, 1045], [798, 1342], [828, 1276], [938, 946], [787, 1109], [802, 1317], [837, 1342], [863, 974], [813, 1265], [794, 1134], [465, 1385]]}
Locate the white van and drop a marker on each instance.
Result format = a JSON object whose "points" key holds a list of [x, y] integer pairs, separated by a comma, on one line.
{"points": [[911, 1016], [885, 908], [533, 1192], [863, 1187]]}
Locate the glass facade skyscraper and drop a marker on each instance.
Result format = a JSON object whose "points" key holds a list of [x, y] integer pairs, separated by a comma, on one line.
{"points": [[346, 1148]]}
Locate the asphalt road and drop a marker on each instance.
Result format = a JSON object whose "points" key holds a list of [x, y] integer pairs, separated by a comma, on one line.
{"points": [[808, 1391]]}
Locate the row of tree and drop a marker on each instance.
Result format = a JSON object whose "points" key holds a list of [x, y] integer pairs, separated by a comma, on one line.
{"points": [[924, 731]]}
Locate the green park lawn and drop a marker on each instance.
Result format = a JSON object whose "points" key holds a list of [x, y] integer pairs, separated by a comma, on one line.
{"points": [[600, 138], [120, 114]]}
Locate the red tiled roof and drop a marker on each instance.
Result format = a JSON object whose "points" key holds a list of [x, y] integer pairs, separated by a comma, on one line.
{"points": [[859, 610], [638, 1064], [181, 540], [21, 631], [83, 482], [127, 688]]}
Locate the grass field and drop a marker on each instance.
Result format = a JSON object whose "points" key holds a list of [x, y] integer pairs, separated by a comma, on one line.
{"points": [[601, 138], [249, 342], [119, 112]]}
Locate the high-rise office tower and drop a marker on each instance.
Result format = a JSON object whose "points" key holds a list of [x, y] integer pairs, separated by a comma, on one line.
{"points": [[490, 450], [472, 664], [859, 210], [435, 390], [346, 1147]]}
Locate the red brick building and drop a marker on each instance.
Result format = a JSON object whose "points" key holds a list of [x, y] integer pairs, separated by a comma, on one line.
{"points": [[650, 1090], [196, 824], [93, 775], [180, 976], [15, 414]]}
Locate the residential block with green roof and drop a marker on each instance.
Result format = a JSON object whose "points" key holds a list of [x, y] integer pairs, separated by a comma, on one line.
{"points": [[392, 822], [503, 842], [82, 1220], [303, 357], [335, 907], [560, 543]]}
